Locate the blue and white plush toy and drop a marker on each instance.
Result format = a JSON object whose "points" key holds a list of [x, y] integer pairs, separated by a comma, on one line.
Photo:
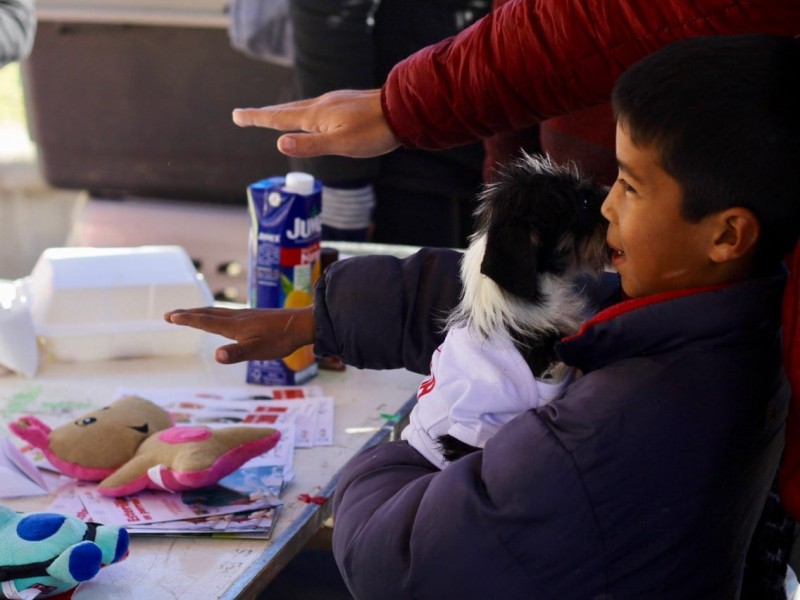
{"points": [[46, 554]]}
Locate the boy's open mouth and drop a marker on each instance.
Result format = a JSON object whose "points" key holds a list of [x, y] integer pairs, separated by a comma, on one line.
{"points": [[612, 251], [615, 255]]}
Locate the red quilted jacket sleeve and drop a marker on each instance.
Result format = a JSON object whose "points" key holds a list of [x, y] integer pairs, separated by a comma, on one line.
{"points": [[530, 60]]}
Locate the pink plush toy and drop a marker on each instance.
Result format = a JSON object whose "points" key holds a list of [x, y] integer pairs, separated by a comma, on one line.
{"points": [[132, 445]]}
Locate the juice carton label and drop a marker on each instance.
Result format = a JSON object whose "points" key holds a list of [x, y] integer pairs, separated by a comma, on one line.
{"points": [[285, 233]]}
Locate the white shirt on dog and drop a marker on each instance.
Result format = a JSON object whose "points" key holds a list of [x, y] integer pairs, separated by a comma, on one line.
{"points": [[475, 387]]}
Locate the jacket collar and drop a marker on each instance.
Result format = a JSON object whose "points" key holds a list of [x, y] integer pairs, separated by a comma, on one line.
{"points": [[628, 305], [657, 323]]}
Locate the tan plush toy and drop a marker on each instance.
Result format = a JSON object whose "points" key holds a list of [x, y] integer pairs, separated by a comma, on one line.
{"points": [[132, 445]]}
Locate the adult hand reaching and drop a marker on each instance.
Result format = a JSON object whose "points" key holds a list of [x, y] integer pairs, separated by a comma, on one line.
{"points": [[260, 333], [345, 123]]}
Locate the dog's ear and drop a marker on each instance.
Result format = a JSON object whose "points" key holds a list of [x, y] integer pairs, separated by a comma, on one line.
{"points": [[510, 257]]}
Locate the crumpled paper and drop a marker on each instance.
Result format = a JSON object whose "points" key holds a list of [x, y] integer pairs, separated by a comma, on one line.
{"points": [[18, 349]]}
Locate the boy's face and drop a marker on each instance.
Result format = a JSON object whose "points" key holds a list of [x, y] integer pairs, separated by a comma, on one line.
{"points": [[654, 249]]}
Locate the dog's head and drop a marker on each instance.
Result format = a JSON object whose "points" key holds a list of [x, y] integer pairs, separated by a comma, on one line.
{"points": [[540, 218], [538, 227]]}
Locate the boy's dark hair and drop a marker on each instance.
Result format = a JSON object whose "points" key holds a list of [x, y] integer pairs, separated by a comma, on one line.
{"points": [[724, 113]]}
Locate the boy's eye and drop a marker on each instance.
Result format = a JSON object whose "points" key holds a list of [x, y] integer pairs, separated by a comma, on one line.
{"points": [[626, 186]]}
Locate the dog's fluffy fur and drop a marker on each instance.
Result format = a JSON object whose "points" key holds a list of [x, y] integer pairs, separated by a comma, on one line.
{"points": [[539, 229]]}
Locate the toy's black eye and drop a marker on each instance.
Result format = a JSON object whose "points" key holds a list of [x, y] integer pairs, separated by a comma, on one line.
{"points": [[85, 422]]}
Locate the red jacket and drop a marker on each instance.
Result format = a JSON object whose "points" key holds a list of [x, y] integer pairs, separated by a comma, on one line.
{"points": [[532, 60]]}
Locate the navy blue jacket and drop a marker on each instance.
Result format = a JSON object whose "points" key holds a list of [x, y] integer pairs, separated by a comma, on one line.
{"points": [[645, 480]]}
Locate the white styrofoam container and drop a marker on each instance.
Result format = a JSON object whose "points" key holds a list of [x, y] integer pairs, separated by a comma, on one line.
{"points": [[105, 303]]}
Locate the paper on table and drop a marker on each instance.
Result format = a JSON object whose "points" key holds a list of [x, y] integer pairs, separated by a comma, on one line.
{"points": [[305, 405], [18, 475]]}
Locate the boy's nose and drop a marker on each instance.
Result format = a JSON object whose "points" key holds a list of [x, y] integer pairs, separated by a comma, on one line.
{"points": [[606, 209]]}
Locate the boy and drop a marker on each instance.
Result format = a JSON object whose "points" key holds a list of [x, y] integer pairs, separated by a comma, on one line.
{"points": [[646, 478]]}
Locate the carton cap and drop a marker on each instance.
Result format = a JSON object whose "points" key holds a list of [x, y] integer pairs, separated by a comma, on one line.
{"points": [[298, 182]]}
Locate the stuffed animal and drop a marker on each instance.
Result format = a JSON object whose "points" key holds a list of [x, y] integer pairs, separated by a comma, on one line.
{"points": [[51, 553], [132, 445]]}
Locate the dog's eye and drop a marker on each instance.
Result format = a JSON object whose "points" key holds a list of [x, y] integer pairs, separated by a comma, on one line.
{"points": [[85, 421]]}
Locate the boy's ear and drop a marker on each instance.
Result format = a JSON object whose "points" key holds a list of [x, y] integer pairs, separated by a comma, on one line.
{"points": [[736, 235], [510, 257]]}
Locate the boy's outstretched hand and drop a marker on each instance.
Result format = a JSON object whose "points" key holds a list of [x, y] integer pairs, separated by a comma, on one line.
{"points": [[260, 333]]}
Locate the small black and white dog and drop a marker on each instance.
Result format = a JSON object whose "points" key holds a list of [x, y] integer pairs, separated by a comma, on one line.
{"points": [[539, 231]]}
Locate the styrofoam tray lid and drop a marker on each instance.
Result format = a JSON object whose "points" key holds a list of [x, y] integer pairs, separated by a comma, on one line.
{"points": [[65, 268], [119, 288]]}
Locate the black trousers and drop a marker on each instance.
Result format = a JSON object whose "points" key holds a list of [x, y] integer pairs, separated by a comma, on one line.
{"points": [[423, 198]]}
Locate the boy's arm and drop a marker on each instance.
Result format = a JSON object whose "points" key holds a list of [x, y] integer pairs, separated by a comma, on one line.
{"points": [[374, 312], [381, 312]]}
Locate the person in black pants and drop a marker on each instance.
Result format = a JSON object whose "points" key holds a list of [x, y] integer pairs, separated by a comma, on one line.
{"points": [[408, 196]]}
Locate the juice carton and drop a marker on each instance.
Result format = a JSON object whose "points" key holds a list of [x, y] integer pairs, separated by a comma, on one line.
{"points": [[285, 233]]}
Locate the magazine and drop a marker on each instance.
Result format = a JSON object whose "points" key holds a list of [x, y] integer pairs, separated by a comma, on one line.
{"points": [[221, 508]]}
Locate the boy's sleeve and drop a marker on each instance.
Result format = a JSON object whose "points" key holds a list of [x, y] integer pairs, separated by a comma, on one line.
{"points": [[381, 312], [17, 29]]}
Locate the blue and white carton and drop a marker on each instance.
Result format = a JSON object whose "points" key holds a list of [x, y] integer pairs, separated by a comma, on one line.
{"points": [[285, 236]]}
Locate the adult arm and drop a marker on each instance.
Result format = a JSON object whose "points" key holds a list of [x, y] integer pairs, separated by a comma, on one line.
{"points": [[528, 61], [344, 123], [334, 49], [17, 29]]}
